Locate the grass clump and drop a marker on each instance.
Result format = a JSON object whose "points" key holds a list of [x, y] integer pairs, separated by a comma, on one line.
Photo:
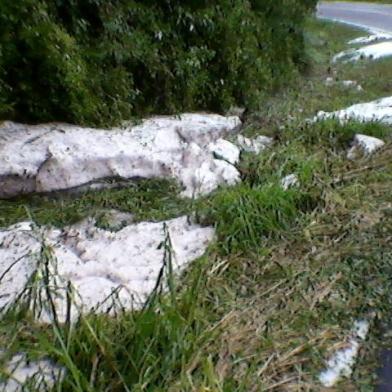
{"points": [[288, 157], [245, 216]]}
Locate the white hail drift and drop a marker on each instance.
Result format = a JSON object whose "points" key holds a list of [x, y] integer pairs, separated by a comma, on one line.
{"points": [[376, 36], [378, 110], [342, 362], [51, 157], [374, 52], [42, 375], [364, 144], [95, 261]]}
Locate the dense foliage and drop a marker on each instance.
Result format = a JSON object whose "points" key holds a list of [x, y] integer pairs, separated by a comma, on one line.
{"points": [[100, 61]]}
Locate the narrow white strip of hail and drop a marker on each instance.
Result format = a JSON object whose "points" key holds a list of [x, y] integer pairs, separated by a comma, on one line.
{"points": [[380, 36], [342, 362], [375, 52], [378, 110]]}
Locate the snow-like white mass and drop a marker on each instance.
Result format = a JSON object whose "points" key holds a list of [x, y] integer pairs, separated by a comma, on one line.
{"points": [[379, 110], [289, 181], [94, 261], [374, 52], [51, 157], [42, 374], [342, 362], [376, 36], [225, 150], [256, 145], [329, 81], [364, 144]]}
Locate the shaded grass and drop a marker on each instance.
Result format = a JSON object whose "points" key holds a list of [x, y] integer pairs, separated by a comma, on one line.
{"points": [[146, 199]]}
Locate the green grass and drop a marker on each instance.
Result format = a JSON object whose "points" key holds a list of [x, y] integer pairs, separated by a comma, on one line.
{"points": [[289, 273], [146, 199]]}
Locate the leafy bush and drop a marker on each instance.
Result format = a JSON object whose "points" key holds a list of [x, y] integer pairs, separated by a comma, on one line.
{"points": [[99, 61]]}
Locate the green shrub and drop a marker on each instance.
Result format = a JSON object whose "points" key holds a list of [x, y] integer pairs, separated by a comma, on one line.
{"points": [[100, 61]]}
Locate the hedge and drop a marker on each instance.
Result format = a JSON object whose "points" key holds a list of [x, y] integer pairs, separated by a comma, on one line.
{"points": [[98, 62]]}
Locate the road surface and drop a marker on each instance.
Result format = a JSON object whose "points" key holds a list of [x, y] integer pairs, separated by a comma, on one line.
{"points": [[370, 16]]}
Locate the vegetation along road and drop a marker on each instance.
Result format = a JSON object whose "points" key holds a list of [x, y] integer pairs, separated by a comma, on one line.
{"points": [[372, 17], [369, 15]]}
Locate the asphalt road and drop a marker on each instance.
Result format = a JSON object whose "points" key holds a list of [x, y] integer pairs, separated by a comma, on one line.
{"points": [[367, 15]]}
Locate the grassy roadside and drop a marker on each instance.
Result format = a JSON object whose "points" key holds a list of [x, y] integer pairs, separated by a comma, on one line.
{"points": [[290, 107], [289, 273]]}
